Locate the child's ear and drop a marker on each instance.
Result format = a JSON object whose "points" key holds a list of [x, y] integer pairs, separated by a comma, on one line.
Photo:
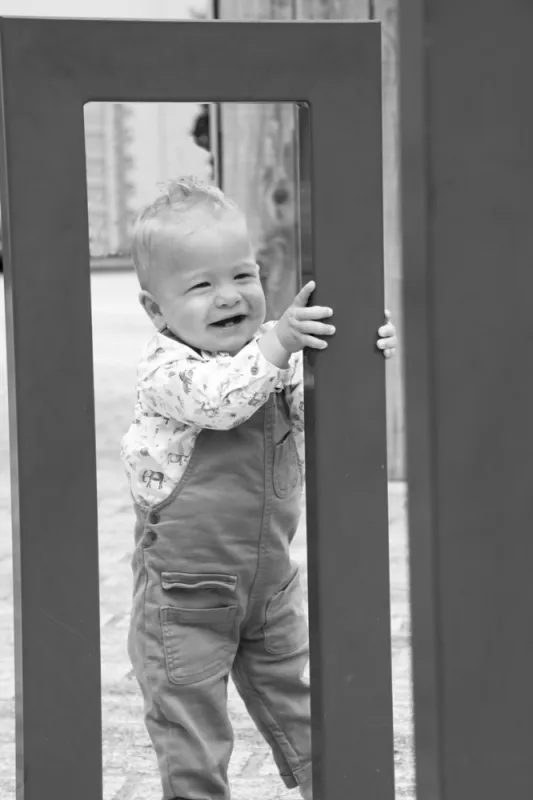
{"points": [[151, 307]]}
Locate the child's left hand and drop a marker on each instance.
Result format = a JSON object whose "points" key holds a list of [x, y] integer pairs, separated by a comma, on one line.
{"points": [[389, 339]]}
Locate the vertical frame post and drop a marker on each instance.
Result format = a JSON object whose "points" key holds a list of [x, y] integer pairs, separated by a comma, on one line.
{"points": [[467, 128]]}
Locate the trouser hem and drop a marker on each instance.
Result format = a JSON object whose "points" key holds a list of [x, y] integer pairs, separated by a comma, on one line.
{"points": [[298, 777]]}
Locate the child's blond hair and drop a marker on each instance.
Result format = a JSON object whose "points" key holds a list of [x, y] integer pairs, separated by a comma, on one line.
{"points": [[178, 199]]}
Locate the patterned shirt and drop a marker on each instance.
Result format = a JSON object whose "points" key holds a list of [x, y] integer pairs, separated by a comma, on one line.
{"points": [[181, 391]]}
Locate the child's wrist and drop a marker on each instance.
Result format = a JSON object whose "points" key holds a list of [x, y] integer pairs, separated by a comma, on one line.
{"points": [[273, 350]]}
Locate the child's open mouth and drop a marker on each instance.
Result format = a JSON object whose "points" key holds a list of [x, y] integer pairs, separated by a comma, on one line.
{"points": [[229, 322]]}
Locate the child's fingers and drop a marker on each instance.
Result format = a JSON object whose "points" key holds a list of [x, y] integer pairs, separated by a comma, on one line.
{"points": [[387, 314], [304, 294], [390, 342], [315, 327], [313, 312], [312, 341]]}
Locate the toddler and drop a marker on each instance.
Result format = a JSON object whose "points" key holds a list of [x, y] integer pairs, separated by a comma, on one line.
{"points": [[215, 460]]}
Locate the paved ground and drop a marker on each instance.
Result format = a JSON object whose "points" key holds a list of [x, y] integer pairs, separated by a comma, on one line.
{"points": [[129, 767]]}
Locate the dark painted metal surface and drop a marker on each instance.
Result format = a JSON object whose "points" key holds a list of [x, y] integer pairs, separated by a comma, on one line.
{"points": [[349, 608], [420, 411], [467, 126], [49, 69]]}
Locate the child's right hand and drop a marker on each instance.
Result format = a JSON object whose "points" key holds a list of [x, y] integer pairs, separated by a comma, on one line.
{"points": [[300, 325]]}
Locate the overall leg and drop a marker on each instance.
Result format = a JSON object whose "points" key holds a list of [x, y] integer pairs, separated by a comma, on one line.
{"points": [[269, 675], [182, 645], [192, 738]]}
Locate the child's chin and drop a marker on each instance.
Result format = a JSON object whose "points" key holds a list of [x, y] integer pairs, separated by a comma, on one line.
{"points": [[231, 340], [243, 329]]}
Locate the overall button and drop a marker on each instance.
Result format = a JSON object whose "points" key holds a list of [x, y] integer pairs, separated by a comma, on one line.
{"points": [[151, 537], [154, 517]]}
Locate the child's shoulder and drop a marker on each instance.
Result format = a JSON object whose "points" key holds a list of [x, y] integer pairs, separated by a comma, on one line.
{"points": [[160, 349]]}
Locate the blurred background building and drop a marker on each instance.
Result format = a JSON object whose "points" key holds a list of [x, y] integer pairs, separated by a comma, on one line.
{"points": [[132, 148], [108, 137]]}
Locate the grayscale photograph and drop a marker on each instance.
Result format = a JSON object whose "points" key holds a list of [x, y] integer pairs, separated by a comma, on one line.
{"points": [[265, 455]]}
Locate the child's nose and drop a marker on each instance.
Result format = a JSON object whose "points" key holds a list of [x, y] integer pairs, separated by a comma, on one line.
{"points": [[227, 296]]}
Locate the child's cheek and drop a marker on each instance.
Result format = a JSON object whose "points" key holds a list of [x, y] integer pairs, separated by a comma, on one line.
{"points": [[259, 301]]}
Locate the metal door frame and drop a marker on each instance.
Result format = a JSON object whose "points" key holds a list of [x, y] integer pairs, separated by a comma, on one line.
{"points": [[49, 69]]}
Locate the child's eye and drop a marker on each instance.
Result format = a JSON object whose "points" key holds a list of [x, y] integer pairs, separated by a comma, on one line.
{"points": [[202, 285], [243, 275]]}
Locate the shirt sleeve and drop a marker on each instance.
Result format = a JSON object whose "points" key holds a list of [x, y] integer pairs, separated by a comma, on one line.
{"points": [[295, 398], [218, 393]]}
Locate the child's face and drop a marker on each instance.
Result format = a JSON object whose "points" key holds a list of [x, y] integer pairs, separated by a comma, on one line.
{"points": [[207, 286]]}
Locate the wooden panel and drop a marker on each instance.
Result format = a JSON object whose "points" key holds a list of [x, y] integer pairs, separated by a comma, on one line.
{"points": [[333, 9]]}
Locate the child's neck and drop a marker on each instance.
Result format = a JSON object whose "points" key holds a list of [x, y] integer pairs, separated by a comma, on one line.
{"points": [[168, 333]]}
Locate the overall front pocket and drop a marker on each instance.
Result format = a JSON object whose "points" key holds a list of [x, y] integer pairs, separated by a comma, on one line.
{"points": [[199, 632], [198, 642], [285, 629]]}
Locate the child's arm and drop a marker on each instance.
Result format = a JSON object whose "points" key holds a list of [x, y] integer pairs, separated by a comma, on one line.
{"points": [[219, 394], [224, 392]]}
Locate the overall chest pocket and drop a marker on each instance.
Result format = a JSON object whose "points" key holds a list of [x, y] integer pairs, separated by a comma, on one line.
{"points": [[199, 630]]}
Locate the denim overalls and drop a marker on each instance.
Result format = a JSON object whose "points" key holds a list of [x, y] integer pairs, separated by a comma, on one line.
{"points": [[215, 592]]}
